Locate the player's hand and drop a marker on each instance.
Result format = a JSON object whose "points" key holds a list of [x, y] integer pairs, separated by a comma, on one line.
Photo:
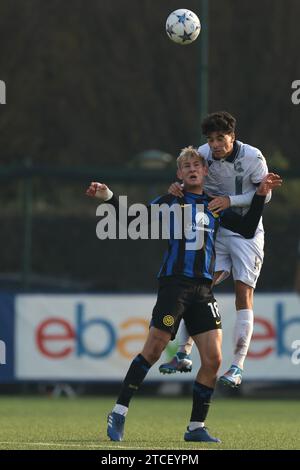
{"points": [[99, 190], [219, 203], [176, 189], [271, 181]]}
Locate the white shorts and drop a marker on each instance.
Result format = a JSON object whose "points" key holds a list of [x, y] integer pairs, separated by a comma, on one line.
{"points": [[244, 257]]}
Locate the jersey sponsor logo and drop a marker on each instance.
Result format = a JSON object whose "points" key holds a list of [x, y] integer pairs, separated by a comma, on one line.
{"points": [[202, 218], [238, 167], [168, 320]]}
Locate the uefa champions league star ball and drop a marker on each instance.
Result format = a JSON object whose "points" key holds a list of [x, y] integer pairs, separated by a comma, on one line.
{"points": [[183, 26]]}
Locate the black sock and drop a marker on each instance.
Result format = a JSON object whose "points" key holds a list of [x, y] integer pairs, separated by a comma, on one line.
{"points": [[134, 377], [201, 401]]}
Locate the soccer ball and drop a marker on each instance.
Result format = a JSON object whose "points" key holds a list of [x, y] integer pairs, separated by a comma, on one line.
{"points": [[183, 26]]}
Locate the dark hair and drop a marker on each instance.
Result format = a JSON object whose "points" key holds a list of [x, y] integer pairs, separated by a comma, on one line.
{"points": [[220, 121]]}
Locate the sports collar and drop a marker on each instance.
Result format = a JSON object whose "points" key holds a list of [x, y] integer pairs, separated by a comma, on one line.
{"points": [[196, 196]]}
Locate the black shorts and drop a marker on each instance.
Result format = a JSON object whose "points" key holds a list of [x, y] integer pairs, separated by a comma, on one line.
{"points": [[181, 297]]}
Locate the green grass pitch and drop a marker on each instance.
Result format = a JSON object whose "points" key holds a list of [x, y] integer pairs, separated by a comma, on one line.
{"points": [[152, 423]]}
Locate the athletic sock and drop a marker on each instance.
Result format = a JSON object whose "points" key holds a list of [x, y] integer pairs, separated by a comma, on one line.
{"points": [[201, 401], [195, 425], [243, 330], [134, 377]]}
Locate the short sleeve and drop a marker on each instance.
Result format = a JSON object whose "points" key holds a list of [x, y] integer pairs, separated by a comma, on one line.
{"points": [[260, 168]]}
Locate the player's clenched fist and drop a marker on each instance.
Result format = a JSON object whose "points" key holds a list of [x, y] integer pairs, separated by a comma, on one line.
{"points": [[99, 190]]}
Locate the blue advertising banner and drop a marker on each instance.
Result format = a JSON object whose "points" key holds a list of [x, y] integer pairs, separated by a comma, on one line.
{"points": [[7, 319]]}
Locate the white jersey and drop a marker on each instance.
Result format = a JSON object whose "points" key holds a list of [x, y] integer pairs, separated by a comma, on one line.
{"points": [[235, 176]]}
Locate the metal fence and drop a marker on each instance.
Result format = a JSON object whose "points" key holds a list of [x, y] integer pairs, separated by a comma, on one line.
{"points": [[49, 242]]}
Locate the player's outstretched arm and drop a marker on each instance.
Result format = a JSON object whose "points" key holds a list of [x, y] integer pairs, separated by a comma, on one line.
{"points": [[246, 225], [102, 192], [271, 181], [221, 203]]}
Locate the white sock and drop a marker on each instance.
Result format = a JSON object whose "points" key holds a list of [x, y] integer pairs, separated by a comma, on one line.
{"points": [[185, 342], [243, 330], [195, 425], [120, 409]]}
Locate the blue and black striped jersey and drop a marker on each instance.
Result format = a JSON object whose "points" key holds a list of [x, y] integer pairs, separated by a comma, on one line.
{"points": [[179, 258]]}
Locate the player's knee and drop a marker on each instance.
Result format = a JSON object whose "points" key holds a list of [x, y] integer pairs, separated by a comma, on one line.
{"points": [[212, 363], [153, 355], [243, 303], [153, 352], [244, 296], [216, 362]]}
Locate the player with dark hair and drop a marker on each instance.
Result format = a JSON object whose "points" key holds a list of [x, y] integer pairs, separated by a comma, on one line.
{"points": [[235, 170]]}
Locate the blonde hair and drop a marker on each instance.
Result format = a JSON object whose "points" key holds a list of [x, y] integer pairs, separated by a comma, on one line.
{"points": [[187, 153]]}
